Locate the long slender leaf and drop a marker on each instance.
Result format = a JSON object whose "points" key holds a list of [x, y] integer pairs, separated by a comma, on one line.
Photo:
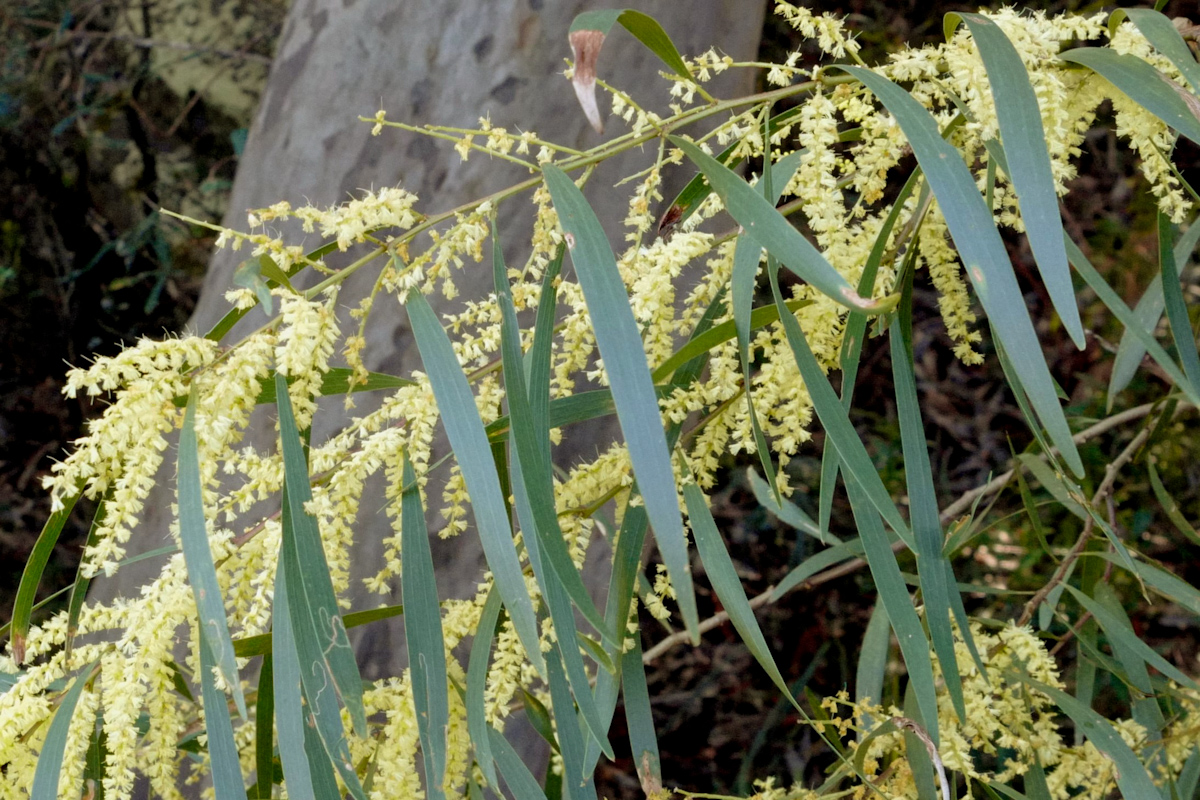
{"points": [[1165, 37], [326, 662], [850, 449], [629, 377], [423, 632], [80, 586], [477, 668], [1176, 307], [1028, 164], [50, 759], [302, 540], [1146, 314], [285, 682], [225, 767], [1116, 305], [31, 576], [531, 446], [788, 512], [1132, 777], [1119, 630], [518, 777], [642, 740], [982, 252], [872, 661], [465, 431], [728, 586], [818, 562], [760, 219], [264, 728], [577, 781], [335, 382], [261, 645], [202, 574], [932, 565], [1170, 507], [1144, 85]]}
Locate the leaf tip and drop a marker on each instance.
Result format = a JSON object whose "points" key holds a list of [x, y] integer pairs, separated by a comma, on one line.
{"points": [[586, 44]]}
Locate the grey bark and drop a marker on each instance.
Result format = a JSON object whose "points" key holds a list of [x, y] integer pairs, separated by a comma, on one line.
{"points": [[447, 63]]}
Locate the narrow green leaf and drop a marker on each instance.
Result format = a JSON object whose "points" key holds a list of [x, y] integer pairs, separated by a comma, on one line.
{"points": [[788, 512], [760, 219], [1173, 588], [264, 728], [727, 585], [982, 252], [261, 645], [1067, 496], [423, 632], [577, 781], [719, 335], [856, 327], [914, 645], [302, 541], [643, 742], [1120, 631], [746, 258], [50, 759], [323, 780], [477, 669], [1170, 507], [1189, 776], [531, 450], [31, 576], [1165, 37], [629, 377], [518, 777], [81, 583], [465, 431], [561, 614], [285, 682], [1176, 306], [818, 562], [1146, 314], [872, 661], [1144, 85], [335, 382], [837, 425], [936, 579], [1028, 164], [224, 765], [1132, 777], [202, 575], [1116, 305]]}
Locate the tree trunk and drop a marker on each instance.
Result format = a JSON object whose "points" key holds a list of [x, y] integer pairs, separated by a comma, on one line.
{"points": [[425, 61]]}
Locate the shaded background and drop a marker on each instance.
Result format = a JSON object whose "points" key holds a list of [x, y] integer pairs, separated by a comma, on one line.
{"points": [[112, 110]]}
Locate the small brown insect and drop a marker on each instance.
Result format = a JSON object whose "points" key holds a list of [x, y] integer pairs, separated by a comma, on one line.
{"points": [[669, 221]]}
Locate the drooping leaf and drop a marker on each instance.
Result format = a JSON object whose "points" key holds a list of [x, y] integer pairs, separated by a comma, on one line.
{"points": [[577, 780], [31, 575], [1170, 507], [643, 742], [423, 633], [285, 683], [464, 429], [1131, 776], [1165, 37], [202, 574], [872, 660], [983, 254], [629, 377], [518, 777], [760, 219], [1132, 326], [818, 562], [477, 668], [264, 728], [728, 586], [788, 512], [1176, 306], [1144, 85], [224, 765], [50, 759], [932, 565], [1028, 163], [261, 644]]}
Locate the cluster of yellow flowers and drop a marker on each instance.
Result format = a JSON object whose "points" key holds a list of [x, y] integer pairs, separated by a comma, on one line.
{"points": [[838, 190]]}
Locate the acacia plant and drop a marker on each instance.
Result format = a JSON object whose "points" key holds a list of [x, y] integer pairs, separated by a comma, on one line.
{"points": [[689, 337]]}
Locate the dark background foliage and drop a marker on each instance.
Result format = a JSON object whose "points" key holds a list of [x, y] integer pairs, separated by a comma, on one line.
{"points": [[93, 142]]}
